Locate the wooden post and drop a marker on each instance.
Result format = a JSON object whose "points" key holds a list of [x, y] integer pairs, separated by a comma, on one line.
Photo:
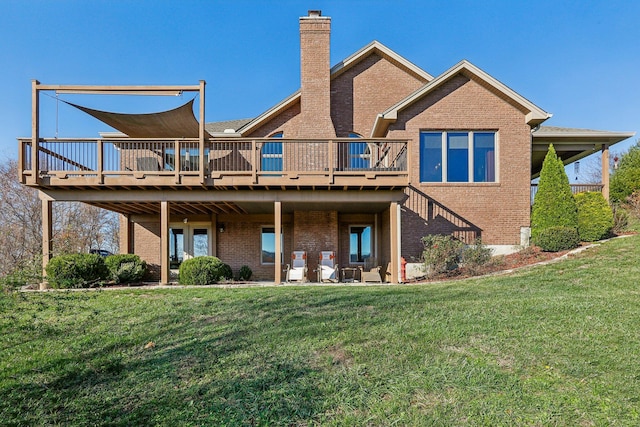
{"points": [[605, 171], [201, 132], [47, 227], [277, 208], [126, 234], [394, 235], [35, 132], [164, 242]]}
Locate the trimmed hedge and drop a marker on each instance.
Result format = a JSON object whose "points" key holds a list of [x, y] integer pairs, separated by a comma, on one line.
{"points": [[76, 271], [595, 217], [202, 270], [126, 268], [553, 205], [554, 239]]}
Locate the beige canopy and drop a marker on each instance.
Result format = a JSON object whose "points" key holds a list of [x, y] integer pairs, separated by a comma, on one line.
{"points": [[177, 123]]}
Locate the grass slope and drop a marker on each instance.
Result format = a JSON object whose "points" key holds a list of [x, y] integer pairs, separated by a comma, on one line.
{"points": [[552, 345]]}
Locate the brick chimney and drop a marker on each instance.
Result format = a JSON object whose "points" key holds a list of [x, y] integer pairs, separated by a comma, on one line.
{"points": [[315, 85]]}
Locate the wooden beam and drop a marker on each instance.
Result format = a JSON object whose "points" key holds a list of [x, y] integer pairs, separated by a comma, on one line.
{"points": [[164, 242], [47, 229], [605, 171], [277, 215], [394, 237]]}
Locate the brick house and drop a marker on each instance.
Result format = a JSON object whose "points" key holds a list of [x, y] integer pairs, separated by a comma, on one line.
{"points": [[366, 158]]}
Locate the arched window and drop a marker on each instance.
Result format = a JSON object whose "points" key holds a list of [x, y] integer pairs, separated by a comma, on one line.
{"points": [[271, 158]]}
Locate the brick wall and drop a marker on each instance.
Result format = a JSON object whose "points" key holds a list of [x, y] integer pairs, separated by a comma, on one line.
{"points": [[315, 64], [494, 211], [146, 244], [365, 90], [315, 231]]}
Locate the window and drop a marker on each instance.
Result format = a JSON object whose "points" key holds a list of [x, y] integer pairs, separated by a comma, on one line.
{"points": [[359, 243], [268, 245], [272, 154], [359, 153], [457, 156]]}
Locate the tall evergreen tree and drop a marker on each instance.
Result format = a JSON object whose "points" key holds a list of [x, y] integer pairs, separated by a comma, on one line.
{"points": [[553, 205]]}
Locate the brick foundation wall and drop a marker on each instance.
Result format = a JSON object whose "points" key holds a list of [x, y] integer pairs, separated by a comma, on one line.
{"points": [[315, 231]]}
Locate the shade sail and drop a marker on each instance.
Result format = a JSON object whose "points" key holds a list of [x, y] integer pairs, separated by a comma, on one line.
{"points": [[177, 123]]}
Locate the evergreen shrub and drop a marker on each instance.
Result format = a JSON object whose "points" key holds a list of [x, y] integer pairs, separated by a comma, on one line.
{"points": [[226, 272], [245, 273], [595, 217], [553, 205], [76, 271], [126, 268], [554, 239], [202, 270]]}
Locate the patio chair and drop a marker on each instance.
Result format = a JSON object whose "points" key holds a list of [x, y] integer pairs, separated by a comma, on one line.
{"points": [[147, 164], [371, 271], [297, 270], [327, 267]]}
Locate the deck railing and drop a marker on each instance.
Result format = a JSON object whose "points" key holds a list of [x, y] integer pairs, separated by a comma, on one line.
{"points": [[178, 160], [575, 189]]}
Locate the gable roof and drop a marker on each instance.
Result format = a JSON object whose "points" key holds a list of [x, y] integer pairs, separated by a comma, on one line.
{"points": [[377, 47], [535, 116], [344, 65]]}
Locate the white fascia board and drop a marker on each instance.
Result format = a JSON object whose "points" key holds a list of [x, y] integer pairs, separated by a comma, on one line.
{"points": [[535, 116], [273, 111]]}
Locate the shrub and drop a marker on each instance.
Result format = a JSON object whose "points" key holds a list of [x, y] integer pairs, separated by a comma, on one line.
{"points": [[441, 253], [595, 218], [620, 218], [475, 256], [126, 268], [626, 179], [202, 270], [245, 273], [553, 205], [76, 270], [226, 272], [28, 272], [554, 239]]}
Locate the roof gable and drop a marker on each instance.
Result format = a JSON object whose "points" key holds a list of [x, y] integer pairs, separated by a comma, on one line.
{"points": [[377, 47], [534, 116], [337, 70]]}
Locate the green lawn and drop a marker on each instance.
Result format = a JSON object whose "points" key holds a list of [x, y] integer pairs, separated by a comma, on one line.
{"points": [[550, 345]]}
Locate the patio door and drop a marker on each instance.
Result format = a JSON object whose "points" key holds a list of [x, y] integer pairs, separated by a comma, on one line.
{"points": [[188, 241]]}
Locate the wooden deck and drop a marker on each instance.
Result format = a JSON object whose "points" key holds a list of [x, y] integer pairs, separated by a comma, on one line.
{"points": [[232, 163]]}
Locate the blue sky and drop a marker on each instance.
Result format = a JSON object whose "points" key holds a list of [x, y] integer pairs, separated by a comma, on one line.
{"points": [[576, 59]]}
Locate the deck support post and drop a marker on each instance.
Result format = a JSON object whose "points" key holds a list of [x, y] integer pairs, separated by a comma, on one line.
{"points": [[394, 237], [605, 171], [277, 214], [35, 133], [47, 227], [164, 243]]}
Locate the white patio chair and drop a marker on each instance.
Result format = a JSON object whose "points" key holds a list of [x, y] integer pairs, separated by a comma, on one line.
{"points": [[297, 270], [327, 267]]}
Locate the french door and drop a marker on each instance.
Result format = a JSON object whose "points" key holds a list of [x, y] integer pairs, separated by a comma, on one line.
{"points": [[188, 241]]}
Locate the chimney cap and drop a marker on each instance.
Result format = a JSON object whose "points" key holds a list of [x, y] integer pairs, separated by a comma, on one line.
{"points": [[315, 13]]}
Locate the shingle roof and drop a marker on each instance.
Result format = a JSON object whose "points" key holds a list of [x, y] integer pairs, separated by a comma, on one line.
{"points": [[216, 127]]}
